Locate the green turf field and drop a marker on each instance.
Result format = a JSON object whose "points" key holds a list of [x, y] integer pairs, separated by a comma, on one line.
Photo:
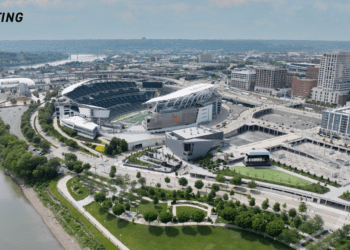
{"points": [[189, 210], [149, 206], [135, 119], [136, 236], [270, 174]]}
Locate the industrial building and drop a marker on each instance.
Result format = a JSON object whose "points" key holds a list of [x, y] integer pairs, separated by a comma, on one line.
{"points": [[194, 142], [336, 122]]}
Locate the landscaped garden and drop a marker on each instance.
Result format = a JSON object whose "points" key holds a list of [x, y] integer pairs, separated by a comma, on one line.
{"points": [[187, 237], [146, 206], [76, 189]]}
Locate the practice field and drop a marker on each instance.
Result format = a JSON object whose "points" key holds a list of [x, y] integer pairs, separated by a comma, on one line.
{"points": [[271, 175], [189, 210], [136, 236]]}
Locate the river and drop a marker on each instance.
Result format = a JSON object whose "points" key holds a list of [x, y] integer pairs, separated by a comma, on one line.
{"points": [[21, 227]]}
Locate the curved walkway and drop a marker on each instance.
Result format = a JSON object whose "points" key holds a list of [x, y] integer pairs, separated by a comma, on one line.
{"points": [[62, 188], [208, 210]]}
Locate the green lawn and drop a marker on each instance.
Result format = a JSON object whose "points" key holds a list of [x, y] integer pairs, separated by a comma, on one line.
{"points": [[189, 210], [80, 193], [270, 174], [149, 206], [88, 226], [137, 237]]}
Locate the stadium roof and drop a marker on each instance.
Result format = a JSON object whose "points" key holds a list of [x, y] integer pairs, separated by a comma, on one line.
{"points": [[26, 81], [73, 87], [183, 92]]}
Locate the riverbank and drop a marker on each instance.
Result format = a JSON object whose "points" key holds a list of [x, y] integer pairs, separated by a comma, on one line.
{"points": [[57, 230]]}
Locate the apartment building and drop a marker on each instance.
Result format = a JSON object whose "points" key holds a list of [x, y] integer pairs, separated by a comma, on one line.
{"points": [[303, 86], [334, 79], [271, 77], [243, 78]]}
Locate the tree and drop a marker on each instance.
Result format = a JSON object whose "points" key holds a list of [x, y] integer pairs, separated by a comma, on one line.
{"points": [[252, 202], [45, 145], [265, 205], [119, 180], [215, 187], [158, 185], [138, 174], [259, 222], [198, 216], [228, 213], [297, 221], [86, 166], [252, 184], [167, 180], [225, 196], [302, 208], [289, 235], [232, 192], [183, 217], [256, 210], [108, 150], [275, 227], [150, 216], [165, 217], [142, 181], [284, 205], [236, 181], [133, 184], [118, 209], [189, 189], [62, 139], [318, 221], [220, 206], [112, 172], [220, 178], [199, 184], [284, 216], [100, 197], [276, 207], [71, 143], [106, 204], [292, 212], [183, 181], [78, 168], [244, 219], [36, 139], [155, 200], [127, 206]]}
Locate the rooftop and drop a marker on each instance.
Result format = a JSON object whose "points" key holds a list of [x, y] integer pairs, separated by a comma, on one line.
{"points": [[79, 121], [27, 81], [183, 92], [260, 151], [194, 132]]}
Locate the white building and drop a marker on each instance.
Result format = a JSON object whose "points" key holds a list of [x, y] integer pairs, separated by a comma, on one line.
{"points": [[205, 58], [243, 78], [333, 78], [83, 127], [16, 86]]}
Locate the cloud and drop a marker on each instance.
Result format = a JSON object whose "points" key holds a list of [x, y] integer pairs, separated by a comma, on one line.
{"points": [[40, 3], [176, 6], [342, 7], [230, 3], [127, 17], [109, 1], [321, 5]]}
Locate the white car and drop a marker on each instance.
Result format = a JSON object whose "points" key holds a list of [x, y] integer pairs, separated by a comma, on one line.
{"points": [[105, 160]]}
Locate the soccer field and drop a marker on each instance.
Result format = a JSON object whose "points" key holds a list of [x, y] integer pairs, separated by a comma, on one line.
{"points": [[270, 174]]}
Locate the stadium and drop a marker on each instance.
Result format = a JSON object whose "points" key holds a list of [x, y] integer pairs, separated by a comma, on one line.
{"points": [[187, 107], [120, 97]]}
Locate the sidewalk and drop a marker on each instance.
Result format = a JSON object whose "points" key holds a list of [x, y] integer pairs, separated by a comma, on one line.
{"points": [[62, 188]]}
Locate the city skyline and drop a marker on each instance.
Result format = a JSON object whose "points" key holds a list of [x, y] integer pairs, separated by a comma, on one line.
{"points": [[211, 19]]}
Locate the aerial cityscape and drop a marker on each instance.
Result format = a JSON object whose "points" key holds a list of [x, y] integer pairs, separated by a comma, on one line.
{"points": [[174, 141]]}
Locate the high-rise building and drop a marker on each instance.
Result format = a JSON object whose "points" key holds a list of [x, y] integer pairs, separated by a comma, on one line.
{"points": [[333, 78], [205, 58], [336, 122], [270, 77], [243, 78], [312, 72]]}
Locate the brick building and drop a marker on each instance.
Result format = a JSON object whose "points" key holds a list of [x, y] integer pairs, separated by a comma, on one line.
{"points": [[312, 72], [302, 86]]}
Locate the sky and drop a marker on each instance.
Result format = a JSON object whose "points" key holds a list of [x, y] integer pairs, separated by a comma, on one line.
{"points": [[175, 19]]}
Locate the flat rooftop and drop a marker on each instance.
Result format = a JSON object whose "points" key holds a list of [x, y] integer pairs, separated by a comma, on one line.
{"points": [[79, 121], [194, 132]]}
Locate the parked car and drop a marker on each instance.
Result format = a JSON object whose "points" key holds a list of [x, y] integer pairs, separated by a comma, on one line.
{"points": [[34, 149]]}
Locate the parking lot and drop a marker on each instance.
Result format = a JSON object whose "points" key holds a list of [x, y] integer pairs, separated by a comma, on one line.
{"points": [[249, 137], [288, 122], [12, 116]]}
